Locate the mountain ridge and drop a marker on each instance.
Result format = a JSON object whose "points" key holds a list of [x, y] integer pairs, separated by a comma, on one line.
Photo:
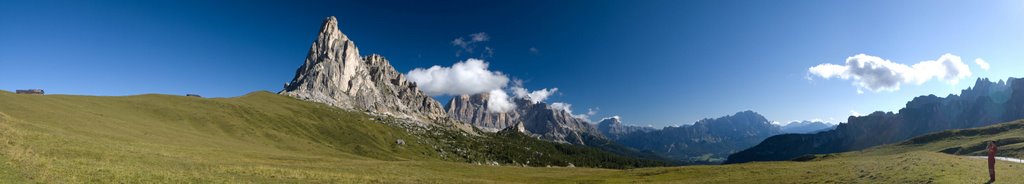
{"points": [[538, 119], [806, 127], [985, 103]]}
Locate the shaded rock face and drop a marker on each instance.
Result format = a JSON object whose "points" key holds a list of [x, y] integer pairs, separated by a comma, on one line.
{"points": [[335, 74], [535, 119], [613, 129], [716, 138], [985, 104]]}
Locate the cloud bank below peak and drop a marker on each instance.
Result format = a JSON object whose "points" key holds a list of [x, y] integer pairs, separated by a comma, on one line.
{"points": [[535, 96], [562, 106], [498, 101], [872, 73], [467, 77]]}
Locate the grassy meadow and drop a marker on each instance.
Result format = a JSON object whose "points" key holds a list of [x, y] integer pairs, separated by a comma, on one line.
{"points": [[267, 138]]}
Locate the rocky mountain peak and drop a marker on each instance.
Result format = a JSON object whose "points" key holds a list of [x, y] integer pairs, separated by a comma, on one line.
{"points": [[610, 122], [334, 73], [742, 118]]}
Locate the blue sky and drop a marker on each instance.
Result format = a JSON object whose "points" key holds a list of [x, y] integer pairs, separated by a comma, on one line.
{"points": [[652, 62]]}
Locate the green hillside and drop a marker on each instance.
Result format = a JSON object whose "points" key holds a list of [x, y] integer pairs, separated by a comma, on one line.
{"points": [[164, 137], [1008, 136], [267, 138]]}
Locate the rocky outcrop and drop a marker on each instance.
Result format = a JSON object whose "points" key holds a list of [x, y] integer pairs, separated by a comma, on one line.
{"points": [[473, 109], [335, 74], [985, 104], [518, 127], [536, 119]]}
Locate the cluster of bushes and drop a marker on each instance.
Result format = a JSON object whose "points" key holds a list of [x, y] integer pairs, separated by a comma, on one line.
{"points": [[515, 148]]}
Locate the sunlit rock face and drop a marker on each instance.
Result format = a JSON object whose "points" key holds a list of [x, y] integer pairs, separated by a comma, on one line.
{"points": [[334, 73]]}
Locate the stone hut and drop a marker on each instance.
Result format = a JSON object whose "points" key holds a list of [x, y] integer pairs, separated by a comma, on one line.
{"points": [[30, 91]]}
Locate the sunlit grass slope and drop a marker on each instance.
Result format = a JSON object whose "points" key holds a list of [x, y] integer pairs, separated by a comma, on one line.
{"points": [[184, 138], [1008, 136], [260, 137], [268, 138]]}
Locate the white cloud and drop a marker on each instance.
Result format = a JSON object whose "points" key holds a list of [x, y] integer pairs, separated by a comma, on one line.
{"points": [[535, 96], [855, 113], [561, 106], [534, 50], [568, 109], [612, 117], [480, 37], [981, 63], [488, 52], [498, 101], [467, 77], [460, 42], [590, 112], [469, 45], [876, 74]]}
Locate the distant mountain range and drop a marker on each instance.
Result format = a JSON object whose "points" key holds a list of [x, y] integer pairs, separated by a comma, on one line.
{"points": [[705, 141], [708, 140], [984, 104], [802, 127]]}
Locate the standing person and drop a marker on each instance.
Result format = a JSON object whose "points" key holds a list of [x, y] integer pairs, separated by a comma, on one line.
{"points": [[991, 161]]}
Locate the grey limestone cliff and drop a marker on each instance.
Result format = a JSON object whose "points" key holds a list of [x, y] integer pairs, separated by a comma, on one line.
{"points": [[335, 74], [536, 119]]}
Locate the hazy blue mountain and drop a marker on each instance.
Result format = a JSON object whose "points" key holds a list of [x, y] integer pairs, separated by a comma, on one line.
{"points": [[802, 127], [707, 140], [613, 128], [984, 104]]}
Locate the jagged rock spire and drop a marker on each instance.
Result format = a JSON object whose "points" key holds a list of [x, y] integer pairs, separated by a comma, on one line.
{"points": [[335, 74]]}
